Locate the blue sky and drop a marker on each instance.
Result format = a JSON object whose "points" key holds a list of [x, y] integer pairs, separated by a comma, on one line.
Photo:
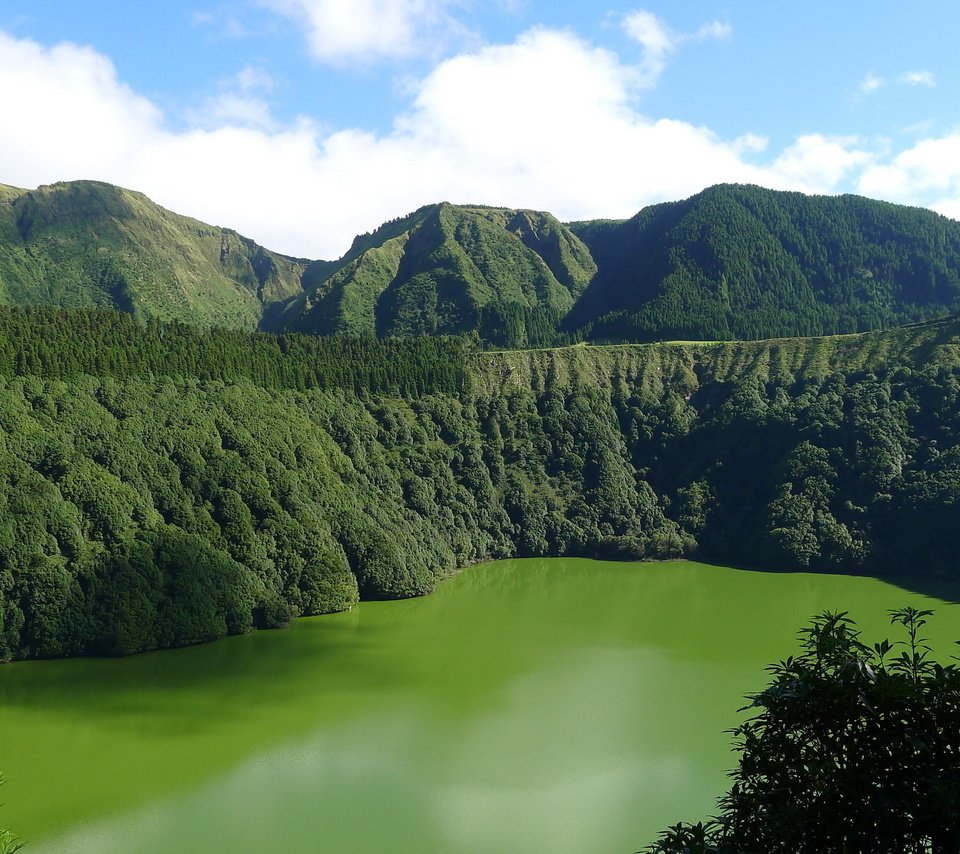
{"points": [[303, 122]]}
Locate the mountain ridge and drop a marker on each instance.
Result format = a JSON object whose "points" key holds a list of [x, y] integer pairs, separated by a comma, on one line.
{"points": [[731, 262], [737, 261]]}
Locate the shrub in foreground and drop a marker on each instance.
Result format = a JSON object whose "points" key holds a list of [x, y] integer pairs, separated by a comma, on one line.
{"points": [[852, 748]]}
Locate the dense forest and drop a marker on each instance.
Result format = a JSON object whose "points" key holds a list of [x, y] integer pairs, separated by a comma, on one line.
{"points": [[743, 262], [54, 343], [504, 277], [156, 497], [732, 262]]}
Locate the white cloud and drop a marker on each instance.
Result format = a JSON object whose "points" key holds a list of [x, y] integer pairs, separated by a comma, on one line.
{"points": [[713, 30], [342, 31], [751, 143], [545, 122], [230, 108], [66, 113], [948, 207], [239, 100], [253, 79], [820, 164], [923, 128], [655, 39], [918, 78], [224, 24], [871, 83], [659, 41], [647, 29], [930, 169]]}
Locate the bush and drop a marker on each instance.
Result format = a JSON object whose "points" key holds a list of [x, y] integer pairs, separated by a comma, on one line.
{"points": [[854, 748]]}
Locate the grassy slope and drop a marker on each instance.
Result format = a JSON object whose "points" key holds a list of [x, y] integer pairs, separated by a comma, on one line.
{"points": [[90, 244], [732, 262], [685, 365]]}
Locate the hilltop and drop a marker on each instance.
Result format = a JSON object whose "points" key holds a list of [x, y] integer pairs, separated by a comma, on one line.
{"points": [[86, 244], [509, 276]]}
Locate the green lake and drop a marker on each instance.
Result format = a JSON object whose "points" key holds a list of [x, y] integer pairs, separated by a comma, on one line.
{"points": [[529, 705]]}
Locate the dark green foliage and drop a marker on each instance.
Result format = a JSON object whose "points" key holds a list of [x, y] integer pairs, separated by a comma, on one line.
{"points": [[142, 514], [514, 326], [850, 748], [167, 588], [743, 262], [506, 276], [827, 474], [733, 262], [61, 344], [209, 481]]}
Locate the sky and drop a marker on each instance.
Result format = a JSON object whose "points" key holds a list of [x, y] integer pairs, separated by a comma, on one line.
{"points": [[301, 123]]}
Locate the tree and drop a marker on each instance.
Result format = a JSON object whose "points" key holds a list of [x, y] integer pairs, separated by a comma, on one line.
{"points": [[853, 748]]}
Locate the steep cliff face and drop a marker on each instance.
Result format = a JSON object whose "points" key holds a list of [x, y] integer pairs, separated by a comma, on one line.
{"points": [[682, 367]]}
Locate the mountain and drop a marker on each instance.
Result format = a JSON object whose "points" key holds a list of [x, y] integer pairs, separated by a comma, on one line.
{"points": [[509, 276], [89, 244], [745, 262], [732, 262]]}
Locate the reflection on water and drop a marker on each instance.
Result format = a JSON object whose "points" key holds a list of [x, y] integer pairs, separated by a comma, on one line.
{"points": [[562, 705]]}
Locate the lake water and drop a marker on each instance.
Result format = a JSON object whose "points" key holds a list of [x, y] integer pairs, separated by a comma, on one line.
{"points": [[530, 705]]}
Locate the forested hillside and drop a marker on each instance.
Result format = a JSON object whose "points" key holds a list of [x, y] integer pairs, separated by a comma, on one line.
{"points": [[54, 343], [506, 276], [147, 504], [733, 262], [743, 262]]}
